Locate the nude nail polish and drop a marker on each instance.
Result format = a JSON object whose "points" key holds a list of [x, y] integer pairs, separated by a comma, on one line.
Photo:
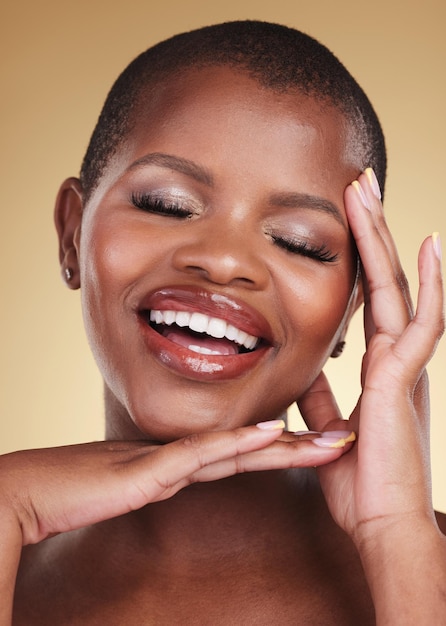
{"points": [[359, 190], [271, 425], [334, 439], [374, 184], [436, 242]]}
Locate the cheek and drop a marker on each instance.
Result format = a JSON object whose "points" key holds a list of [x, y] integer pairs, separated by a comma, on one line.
{"points": [[115, 255], [315, 302], [315, 309], [118, 252], [113, 259]]}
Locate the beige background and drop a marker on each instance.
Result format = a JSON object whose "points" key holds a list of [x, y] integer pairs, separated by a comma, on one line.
{"points": [[59, 58]]}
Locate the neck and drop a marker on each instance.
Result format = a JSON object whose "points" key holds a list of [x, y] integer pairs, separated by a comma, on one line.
{"points": [[253, 514], [246, 512]]}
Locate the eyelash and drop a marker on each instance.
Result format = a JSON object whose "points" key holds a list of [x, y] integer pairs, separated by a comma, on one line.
{"points": [[319, 253], [148, 203]]}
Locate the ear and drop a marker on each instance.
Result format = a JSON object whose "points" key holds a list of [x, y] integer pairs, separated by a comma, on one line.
{"points": [[355, 301], [68, 218]]}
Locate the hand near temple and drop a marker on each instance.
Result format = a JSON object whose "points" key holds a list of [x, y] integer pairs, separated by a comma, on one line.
{"points": [[380, 493]]}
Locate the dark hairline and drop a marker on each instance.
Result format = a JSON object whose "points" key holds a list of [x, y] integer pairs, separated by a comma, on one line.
{"points": [[243, 46]]}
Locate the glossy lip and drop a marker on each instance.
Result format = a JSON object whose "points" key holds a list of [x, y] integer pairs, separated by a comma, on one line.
{"points": [[200, 366]]}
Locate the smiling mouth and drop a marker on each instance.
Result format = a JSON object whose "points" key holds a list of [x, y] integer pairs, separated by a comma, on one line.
{"points": [[201, 333]]}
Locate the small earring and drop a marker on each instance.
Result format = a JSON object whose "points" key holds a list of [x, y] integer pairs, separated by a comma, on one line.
{"points": [[339, 349], [68, 274]]}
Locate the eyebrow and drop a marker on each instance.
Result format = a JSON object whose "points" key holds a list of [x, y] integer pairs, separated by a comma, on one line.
{"points": [[296, 200], [289, 200], [184, 166]]}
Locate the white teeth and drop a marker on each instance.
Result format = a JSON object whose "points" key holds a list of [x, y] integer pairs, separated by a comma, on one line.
{"points": [[182, 318], [250, 342], [216, 328], [201, 323], [231, 332], [202, 350], [169, 317], [242, 337], [158, 317]]}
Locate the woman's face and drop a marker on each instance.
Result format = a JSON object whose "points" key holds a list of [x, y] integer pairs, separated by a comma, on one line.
{"points": [[215, 257]]}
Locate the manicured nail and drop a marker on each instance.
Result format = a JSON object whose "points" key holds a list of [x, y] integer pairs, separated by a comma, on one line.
{"points": [[361, 194], [374, 184], [334, 438], [436, 242], [348, 435], [307, 432], [271, 425]]}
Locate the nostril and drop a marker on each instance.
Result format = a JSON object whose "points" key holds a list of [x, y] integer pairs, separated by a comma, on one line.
{"points": [[221, 262]]}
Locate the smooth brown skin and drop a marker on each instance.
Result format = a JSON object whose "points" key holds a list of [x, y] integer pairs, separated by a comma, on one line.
{"points": [[283, 546]]}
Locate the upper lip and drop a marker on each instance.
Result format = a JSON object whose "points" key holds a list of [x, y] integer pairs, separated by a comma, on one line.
{"points": [[193, 299]]}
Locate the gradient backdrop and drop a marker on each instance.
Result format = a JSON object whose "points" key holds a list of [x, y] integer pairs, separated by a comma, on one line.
{"points": [[58, 60]]}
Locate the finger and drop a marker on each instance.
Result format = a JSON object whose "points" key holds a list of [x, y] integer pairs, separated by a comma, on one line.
{"points": [[281, 455], [370, 186], [382, 241], [386, 294], [175, 465], [417, 345], [61, 489], [318, 405]]}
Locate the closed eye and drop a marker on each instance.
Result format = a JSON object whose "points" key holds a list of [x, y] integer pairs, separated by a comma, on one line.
{"points": [[162, 206], [304, 248]]}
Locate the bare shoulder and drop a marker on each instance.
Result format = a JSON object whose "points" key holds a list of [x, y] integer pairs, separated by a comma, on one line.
{"points": [[441, 521]]}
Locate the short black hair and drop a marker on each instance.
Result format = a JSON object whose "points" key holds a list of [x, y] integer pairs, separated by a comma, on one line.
{"points": [[278, 57]]}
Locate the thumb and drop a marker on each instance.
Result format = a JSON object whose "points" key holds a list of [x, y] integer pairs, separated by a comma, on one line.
{"points": [[318, 406]]}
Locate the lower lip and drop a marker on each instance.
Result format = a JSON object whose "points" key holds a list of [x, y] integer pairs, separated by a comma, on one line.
{"points": [[203, 367]]}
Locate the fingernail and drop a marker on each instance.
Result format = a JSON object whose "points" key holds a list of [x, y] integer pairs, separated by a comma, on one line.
{"points": [[271, 425], [307, 432], [334, 438], [436, 242], [348, 435], [361, 194], [374, 184]]}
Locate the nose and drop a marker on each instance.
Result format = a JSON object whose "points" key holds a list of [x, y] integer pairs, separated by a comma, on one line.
{"points": [[224, 254]]}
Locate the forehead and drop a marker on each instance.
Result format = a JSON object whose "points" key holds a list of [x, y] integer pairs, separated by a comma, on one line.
{"points": [[227, 91], [224, 89], [220, 114]]}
